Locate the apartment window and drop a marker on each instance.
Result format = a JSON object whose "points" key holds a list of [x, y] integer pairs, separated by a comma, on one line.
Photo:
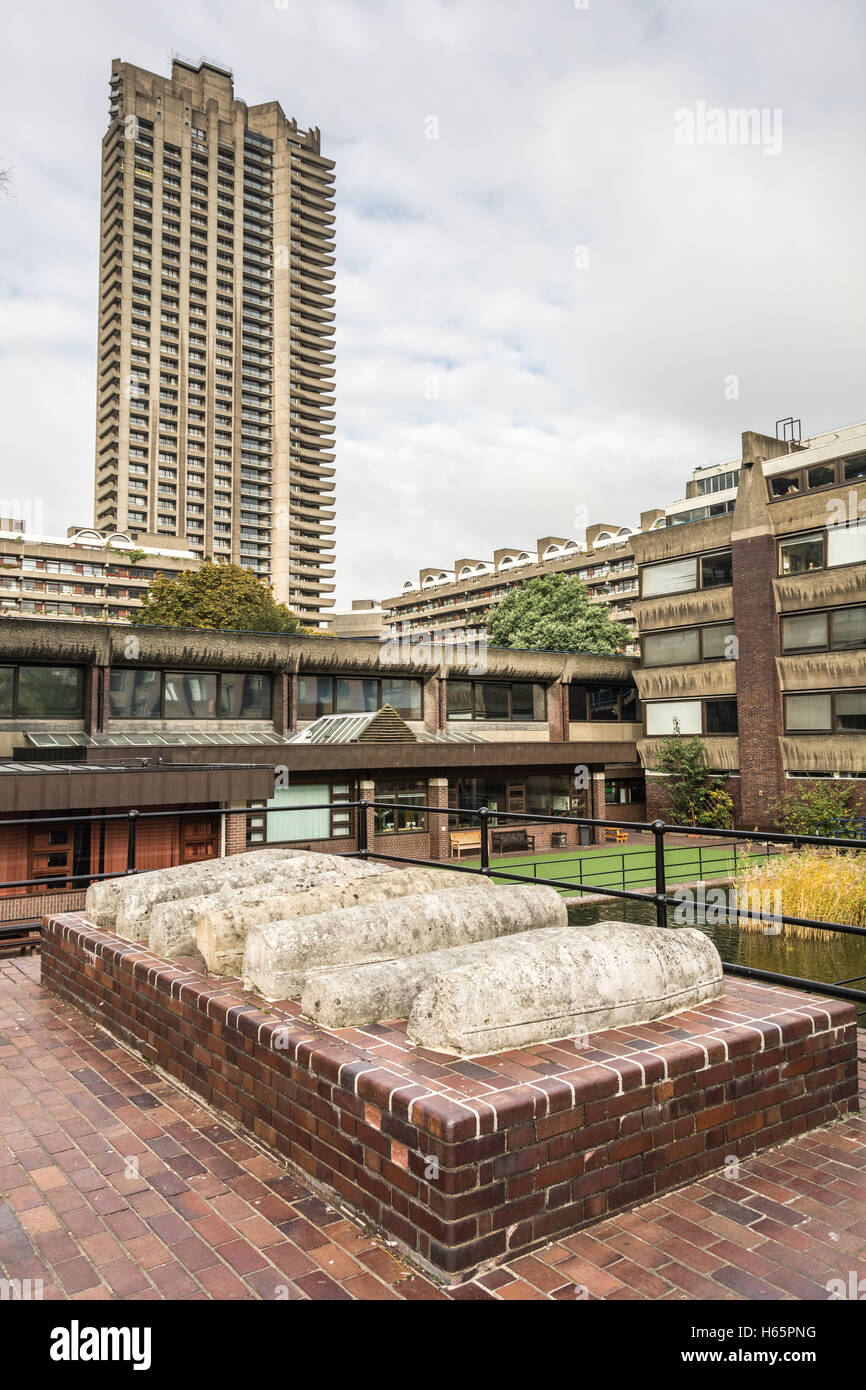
{"points": [[691, 717], [509, 702], [848, 628], [805, 632], [603, 703], [822, 475], [801, 554], [846, 545], [854, 468], [716, 569], [405, 814], [825, 712], [153, 694], [41, 692], [674, 648]]}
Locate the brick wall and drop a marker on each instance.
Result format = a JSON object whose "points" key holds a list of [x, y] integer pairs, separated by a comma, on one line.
{"points": [[522, 1165], [759, 701]]}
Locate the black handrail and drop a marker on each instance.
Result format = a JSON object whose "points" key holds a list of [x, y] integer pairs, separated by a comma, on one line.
{"points": [[658, 829]]}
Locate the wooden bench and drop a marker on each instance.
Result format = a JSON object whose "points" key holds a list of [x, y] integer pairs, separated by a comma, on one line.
{"points": [[465, 840], [508, 841], [615, 837]]}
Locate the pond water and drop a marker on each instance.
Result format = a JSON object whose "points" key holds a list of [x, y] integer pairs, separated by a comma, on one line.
{"points": [[829, 957]]}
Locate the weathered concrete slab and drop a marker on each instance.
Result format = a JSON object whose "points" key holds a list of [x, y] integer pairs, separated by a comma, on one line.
{"points": [[172, 926], [126, 905], [279, 955], [103, 899], [579, 980], [221, 927]]}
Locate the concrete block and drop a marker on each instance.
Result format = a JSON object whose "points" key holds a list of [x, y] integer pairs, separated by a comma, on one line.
{"points": [[279, 955], [137, 895], [565, 983], [221, 927]]}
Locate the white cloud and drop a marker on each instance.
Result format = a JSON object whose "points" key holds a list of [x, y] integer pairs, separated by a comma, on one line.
{"points": [[558, 387]]}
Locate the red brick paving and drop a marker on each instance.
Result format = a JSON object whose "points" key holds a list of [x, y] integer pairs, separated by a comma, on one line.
{"points": [[116, 1184]]}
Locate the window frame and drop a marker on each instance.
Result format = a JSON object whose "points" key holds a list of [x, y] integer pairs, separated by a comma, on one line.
{"points": [[45, 666], [619, 686], [703, 701], [474, 717], [838, 464], [333, 677], [832, 694], [699, 558], [194, 718], [829, 646], [700, 659]]}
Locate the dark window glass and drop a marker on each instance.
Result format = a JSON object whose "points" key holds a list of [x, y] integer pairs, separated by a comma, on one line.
{"points": [[822, 475], [716, 569], [357, 696], [631, 711], [46, 692], [622, 791], [783, 486], [848, 626], [577, 702], [245, 695], [546, 795], [801, 555], [315, 696], [851, 711], [522, 703], [190, 695], [491, 700], [6, 682], [459, 699], [404, 696], [406, 814], [604, 702], [854, 468], [134, 694], [721, 716]]}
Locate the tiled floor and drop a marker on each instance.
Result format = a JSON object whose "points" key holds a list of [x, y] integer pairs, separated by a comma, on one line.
{"points": [[115, 1184]]}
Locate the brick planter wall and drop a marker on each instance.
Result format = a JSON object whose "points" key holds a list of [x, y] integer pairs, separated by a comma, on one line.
{"points": [[468, 1162]]}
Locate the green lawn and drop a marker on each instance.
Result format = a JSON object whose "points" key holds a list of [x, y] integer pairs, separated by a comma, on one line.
{"points": [[607, 865]]}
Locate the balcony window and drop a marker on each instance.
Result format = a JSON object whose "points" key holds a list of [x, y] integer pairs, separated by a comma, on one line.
{"points": [[808, 713], [850, 711], [848, 628], [603, 703], [507, 702], [854, 468], [673, 577], [846, 545], [804, 632], [721, 716], [716, 569], [662, 715]]}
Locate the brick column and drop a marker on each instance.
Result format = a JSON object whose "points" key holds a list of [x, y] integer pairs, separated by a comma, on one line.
{"points": [[599, 810], [367, 792], [235, 834], [281, 709], [759, 699], [438, 826], [432, 705], [556, 697]]}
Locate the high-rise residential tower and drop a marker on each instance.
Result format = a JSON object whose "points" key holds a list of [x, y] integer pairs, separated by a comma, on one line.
{"points": [[215, 403]]}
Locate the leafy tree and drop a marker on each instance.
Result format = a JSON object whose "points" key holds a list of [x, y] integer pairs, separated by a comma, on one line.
{"points": [[220, 596], [694, 795], [824, 807], [553, 613]]}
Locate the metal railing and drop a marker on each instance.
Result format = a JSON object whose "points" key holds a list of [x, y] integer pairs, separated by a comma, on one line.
{"points": [[658, 898]]}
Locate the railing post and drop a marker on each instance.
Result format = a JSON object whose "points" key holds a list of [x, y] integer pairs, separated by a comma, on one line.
{"points": [[484, 818], [658, 829], [130, 841], [363, 843]]}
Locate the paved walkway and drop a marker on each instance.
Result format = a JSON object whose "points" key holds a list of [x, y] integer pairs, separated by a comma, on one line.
{"points": [[116, 1184]]}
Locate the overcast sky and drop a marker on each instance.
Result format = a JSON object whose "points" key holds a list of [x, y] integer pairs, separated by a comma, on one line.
{"points": [[541, 312]]}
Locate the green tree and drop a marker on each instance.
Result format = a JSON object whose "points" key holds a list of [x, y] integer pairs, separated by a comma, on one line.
{"points": [[220, 596], [552, 613], [824, 807], [693, 795]]}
